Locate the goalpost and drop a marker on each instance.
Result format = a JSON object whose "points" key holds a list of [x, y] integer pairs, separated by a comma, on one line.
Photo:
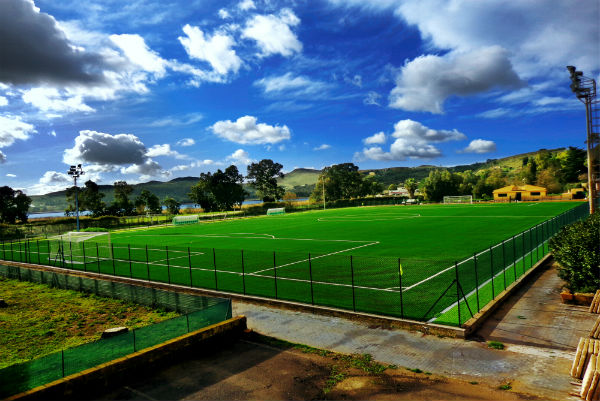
{"points": [[275, 211], [458, 199], [71, 246]]}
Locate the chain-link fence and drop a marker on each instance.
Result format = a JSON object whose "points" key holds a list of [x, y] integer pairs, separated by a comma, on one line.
{"points": [[428, 289], [198, 312]]}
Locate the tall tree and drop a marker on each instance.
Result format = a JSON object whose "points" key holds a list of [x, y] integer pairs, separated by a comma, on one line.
{"points": [[263, 177], [147, 202], [219, 191], [91, 198], [342, 181], [172, 205], [122, 206], [14, 205], [573, 164], [441, 183], [411, 186]]}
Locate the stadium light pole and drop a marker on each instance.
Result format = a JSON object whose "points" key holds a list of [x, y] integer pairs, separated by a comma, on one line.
{"points": [[76, 172], [585, 90]]}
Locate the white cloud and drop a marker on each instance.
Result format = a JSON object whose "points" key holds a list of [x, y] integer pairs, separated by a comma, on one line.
{"points": [[273, 34], [289, 85], [216, 50], [480, 146], [55, 177], [224, 14], [9, 175], [322, 147], [146, 170], [378, 138], [3, 101], [50, 99], [246, 131], [372, 98], [137, 52], [52, 133], [187, 119], [424, 83], [186, 142], [240, 156], [163, 150], [2, 158], [356, 80], [106, 149], [246, 5], [413, 140], [13, 128]]}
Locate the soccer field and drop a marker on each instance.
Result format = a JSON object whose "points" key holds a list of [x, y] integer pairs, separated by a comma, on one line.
{"points": [[393, 260]]}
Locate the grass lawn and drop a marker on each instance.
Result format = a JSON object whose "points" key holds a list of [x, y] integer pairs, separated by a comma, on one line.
{"points": [[40, 320], [349, 258]]}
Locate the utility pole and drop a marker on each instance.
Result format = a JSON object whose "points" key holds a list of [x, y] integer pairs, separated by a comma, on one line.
{"points": [[585, 90], [75, 172]]}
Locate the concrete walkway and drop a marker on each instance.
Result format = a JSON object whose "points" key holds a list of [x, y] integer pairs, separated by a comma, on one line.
{"points": [[534, 363]]}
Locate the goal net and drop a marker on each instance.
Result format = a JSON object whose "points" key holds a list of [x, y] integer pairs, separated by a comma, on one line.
{"points": [[274, 211], [79, 247], [458, 199], [189, 219]]}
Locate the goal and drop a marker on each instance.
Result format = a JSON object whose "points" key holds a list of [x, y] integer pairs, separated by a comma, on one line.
{"points": [[80, 246], [189, 219], [274, 211], [458, 199]]}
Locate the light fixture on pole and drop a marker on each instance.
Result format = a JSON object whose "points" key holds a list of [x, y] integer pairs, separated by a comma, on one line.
{"points": [[76, 172], [585, 90]]}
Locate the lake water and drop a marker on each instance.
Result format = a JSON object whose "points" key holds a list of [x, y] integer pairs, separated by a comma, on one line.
{"points": [[183, 206]]}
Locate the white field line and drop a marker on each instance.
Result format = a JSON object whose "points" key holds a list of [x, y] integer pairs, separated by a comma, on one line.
{"points": [[271, 237], [503, 271], [318, 257]]}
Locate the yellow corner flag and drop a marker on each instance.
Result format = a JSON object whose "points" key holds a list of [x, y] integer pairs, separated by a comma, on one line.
{"points": [[401, 272]]}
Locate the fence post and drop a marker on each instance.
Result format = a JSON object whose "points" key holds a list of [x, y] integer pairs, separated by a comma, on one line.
{"points": [[312, 295], [12, 257], [476, 280], [134, 348], [71, 253], [98, 257], [38, 251], [62, 362], [523, 257], [492, 271], [352, 280], [112, 253], [537, 243], [243, 275], [275, 273], [168, 265], [504, 264], [400, 286], [147, 264], [215, 266], [129, 257], [457, 293], [531, 250], [190, 266], [514, 257]]}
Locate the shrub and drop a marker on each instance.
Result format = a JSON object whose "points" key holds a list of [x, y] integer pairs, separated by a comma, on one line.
{"points": [[576, 248]]}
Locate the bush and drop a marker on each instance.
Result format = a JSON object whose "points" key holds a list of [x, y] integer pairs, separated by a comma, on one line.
{"points": [[576, 248]]}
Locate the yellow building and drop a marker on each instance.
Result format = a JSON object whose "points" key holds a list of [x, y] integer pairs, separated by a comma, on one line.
{"points": [[519, 193]]}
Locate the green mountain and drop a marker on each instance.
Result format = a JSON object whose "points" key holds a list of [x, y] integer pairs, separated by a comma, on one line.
{"points": [[301, 181]]}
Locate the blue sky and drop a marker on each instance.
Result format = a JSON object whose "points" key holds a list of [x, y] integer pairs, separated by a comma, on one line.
{"points": [[150, 90]]}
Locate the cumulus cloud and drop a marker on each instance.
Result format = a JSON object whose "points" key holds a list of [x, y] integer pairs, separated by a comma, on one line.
{"points": [[273, 33], [55, 177], [149, 168], [215, 50], [378, 138], [240, 156], [224, 14], [246, 131], [163, 150], [424, 83], [186, 142], [323, 147], [137, 52], [246, 5], [106, 149], [289, 85], [13, 128], [413, 140], [480, 146], [34, 50]]}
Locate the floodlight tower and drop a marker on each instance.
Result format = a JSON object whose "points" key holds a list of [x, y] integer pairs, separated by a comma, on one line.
{"points": [[585, 90], [76, 172]]}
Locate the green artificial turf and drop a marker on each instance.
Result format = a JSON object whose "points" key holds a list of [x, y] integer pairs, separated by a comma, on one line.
{"points": [[348, 258]]}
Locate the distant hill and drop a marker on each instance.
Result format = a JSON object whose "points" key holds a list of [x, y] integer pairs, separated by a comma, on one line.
{"points": [[301, 181]]}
